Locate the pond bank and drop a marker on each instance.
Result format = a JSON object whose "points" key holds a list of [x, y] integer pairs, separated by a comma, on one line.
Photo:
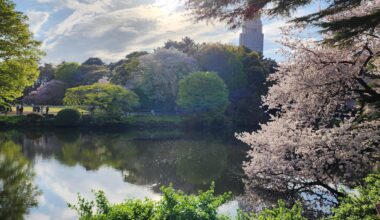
{"points": [[23, 121]]}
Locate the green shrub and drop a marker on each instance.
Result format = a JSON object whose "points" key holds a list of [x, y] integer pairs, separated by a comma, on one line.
{"points": [[34, 117], [173, 205], [279, 213], [6, 120], [361, 204], [67, 117]]}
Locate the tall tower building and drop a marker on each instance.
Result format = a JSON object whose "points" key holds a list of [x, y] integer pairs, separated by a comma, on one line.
{"points": [[252, 36]]}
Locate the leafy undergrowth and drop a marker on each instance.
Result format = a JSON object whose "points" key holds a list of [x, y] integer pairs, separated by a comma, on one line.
{"points": [[175, 205]]}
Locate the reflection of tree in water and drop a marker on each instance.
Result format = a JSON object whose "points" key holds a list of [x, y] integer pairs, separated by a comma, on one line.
{"points": [[17, 191], [200, 162], [190, 162]]}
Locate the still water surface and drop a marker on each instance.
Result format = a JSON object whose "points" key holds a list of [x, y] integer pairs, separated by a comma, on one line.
{"points": [[51, 167]]}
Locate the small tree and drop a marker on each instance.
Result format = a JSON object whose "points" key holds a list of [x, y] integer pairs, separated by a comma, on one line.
{"points": [[203, 92], [105, 98]]}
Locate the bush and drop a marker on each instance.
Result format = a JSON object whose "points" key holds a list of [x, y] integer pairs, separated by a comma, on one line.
{"points": [[67, 117], [173, 205], [279, 213], [362, 203], [34, 117]]}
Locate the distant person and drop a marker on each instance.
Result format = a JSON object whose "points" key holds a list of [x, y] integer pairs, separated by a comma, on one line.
{"points": [[17, 109], [47, 109], [21, 109]]}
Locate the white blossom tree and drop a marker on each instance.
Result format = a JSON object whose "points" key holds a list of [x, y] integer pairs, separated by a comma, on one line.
{"points": [[322, 135]]}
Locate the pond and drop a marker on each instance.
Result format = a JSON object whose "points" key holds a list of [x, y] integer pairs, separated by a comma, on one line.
{"points": [[49, 168]]}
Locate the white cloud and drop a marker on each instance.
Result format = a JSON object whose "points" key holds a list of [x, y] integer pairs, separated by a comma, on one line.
{"points": [[36, 20], [110, 29]]}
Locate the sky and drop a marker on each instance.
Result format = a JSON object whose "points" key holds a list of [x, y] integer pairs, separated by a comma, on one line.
{"points": [[74, 30]]}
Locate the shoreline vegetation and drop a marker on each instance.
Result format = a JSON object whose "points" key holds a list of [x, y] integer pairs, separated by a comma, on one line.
{"points": [[131, 121]]}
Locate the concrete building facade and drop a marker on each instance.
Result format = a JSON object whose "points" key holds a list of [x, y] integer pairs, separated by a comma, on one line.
{"points": [[252, 36]]}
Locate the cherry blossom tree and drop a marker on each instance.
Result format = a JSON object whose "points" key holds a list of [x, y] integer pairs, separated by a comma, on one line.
{"points": [[323, 135], [49, 93]]}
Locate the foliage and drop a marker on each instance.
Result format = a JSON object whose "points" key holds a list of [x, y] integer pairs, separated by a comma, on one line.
{"points": [[68, 72], [105, 98], [226, 60], [8, 121], [203, 92], [46, 74], [93, 61], [19, 53], [315, 141], [128, 73], [18, 192], [173, 205], [34, 117], [68, 117], [235, 12], [360, 204], [186, 45], [278, 213], [161, 73], [136, 54], [49, 93], [246, 109], [90, 74]]}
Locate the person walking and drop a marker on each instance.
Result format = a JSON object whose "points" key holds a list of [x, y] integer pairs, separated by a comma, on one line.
{"points": [[21, 109], [47, 109]]}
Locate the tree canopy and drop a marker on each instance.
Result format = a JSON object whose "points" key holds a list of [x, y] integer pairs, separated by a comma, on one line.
{"points": [[105, 98], [19, 53], [203, 92], [161, 72], [68, 72], [226, 60]]}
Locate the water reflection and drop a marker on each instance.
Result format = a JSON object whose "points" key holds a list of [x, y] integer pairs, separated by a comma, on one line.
{"points": [[17, 190], [124, 164]]}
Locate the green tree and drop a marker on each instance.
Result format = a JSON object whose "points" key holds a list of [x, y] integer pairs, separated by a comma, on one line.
{"points": [[106, 99], [186, 45], [19, 53], [161, 72], [226, 60], [203, 93], [68, 72], [127, 73], [246, 109]]}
